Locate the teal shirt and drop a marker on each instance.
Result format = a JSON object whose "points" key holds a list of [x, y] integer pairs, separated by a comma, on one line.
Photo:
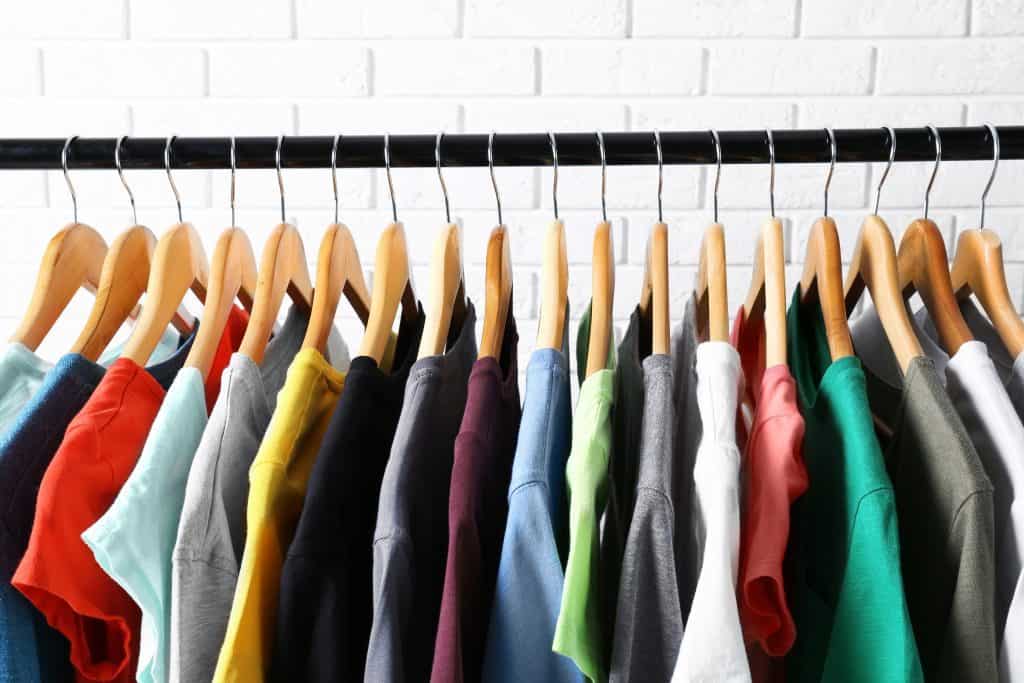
{"points": [[21, 373], [846, 590]]}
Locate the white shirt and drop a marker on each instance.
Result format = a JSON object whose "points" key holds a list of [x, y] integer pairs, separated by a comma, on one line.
{"points": [[712, 648]]}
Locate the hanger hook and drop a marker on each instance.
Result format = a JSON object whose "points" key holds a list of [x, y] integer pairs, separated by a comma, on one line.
{"points": [[604, 176], [554, 172], [170, 178], [444, 187], [831, 164], [234, 165], [661, 179], [935, 170], [718, 169], [490, 166], [387, 171], [120, 174], [280, 178], [888, 166], [67, 177], [995, 166], [771, 170], [334, 173]]}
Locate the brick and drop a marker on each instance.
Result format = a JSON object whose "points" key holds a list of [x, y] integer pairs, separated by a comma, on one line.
{"points": [[706, 113], [797, 186], [997, 18], [289, 70], [621, 68], [542, 19], [527, 230], [379, 19], [807, 67], [432, 69], [63, 20], [686, 230], [839, 19], [1007, 223], [124, 70], [538, 115], [22, 72], [627, 187], [201, 20], [848, 223], [975, 67], [711, 19]]}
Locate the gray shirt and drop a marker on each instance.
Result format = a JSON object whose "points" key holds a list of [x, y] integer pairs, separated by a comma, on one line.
{"points": [[211, 533]]}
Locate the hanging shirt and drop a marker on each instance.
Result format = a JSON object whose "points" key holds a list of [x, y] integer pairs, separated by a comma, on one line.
{"points": [[211, 533], [278, 478], [944, 502], [995, 429], [846, 593], [712, 647], [134, 538], [770, 434], [58, 573], [531, 568], [21, 373], [30, 650], [477, 511], [323, 624]]}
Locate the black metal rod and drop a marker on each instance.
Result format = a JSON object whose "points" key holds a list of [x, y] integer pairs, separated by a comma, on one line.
{"points": [[574, 149]]}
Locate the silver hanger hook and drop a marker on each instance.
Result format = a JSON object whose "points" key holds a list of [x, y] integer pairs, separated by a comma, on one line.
{"points": [[935, 170], [771, 170], [67, 178], [440, 176], [718, 169], [888, 166], [831, 165], [554, 172], [234, 163], [490, 166], [280, 178], [120, 174], [387, 171], [661, 179], [995, 166], [334, 173], [604, 176], [170, 178]]}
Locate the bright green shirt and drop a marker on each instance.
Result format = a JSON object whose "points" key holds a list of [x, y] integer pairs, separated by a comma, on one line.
{"points": [[846, 592], [580, 633]]}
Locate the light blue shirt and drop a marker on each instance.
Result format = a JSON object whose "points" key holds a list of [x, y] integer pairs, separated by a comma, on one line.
{"points": [[21, 373], [532, 566]]}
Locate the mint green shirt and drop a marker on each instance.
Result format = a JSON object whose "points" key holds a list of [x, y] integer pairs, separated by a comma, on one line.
{"points": [[21, 373], [580, 633], [843, 556]]}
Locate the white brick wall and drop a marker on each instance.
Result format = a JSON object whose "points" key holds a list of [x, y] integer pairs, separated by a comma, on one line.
{"points": [[144, 67]]}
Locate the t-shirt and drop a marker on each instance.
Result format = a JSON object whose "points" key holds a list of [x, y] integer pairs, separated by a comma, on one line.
{"points": [[477, 510], [770, 433], [944, 502], [133, 540], [531, 568], [21, 373], [58, 573], [712, 647], [278, 478], [326, 609], [410, 539], [211, 534], [648, 618], [846, 590], [580, 633]]}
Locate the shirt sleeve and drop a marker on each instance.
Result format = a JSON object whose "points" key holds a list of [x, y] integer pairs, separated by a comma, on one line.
{"points": [[393, 579]]}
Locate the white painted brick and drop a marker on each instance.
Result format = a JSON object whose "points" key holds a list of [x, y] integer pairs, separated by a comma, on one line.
{"points": [[62, 19], [706, 113], [1007, 223], [621, 68], [840, 19], [538, 115], [378, 19], [797, 186], [713, 19], [997, 18], [527, 230], [22, 74], [432, 68], [686, 230], [289, 70], [989, 66], [806, 67], [202, 20], [544, 19], [628, 187], [124, 70], [848, 223]]}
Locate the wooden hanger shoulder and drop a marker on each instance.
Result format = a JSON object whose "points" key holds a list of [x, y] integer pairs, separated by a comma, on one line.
{"points": [[338, 271], [823, 277], [497, 292], [446, 289], [232, 275], [766, 300], [712, 287], [73, 259], [391, 289], [654, 295], [978, 268], [554, 288], [602, 299]]}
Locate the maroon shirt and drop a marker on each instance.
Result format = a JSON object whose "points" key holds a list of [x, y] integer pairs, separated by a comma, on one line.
{"points": [[477, 509]]}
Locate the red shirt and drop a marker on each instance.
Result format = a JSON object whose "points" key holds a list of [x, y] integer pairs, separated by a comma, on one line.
{"points": [[58, 573], [770, 433]]}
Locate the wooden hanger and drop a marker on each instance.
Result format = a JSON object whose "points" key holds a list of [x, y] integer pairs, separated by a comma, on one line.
{"points": [[554, 288], [392, 288], [654, 296], [447, 306], [602, 298], [338, 271], [712, 287], [766, 300], [498, 292], [232, 275]]}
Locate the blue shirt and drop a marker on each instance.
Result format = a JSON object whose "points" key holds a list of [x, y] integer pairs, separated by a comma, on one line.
{"points": [[532, 566]]}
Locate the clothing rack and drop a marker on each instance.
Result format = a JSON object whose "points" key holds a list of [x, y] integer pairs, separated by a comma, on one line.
{"points": [[966, 143]]}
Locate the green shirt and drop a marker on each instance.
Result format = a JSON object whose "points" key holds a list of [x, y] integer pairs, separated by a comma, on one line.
{"points": [[845, 591], [580, 633]]}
